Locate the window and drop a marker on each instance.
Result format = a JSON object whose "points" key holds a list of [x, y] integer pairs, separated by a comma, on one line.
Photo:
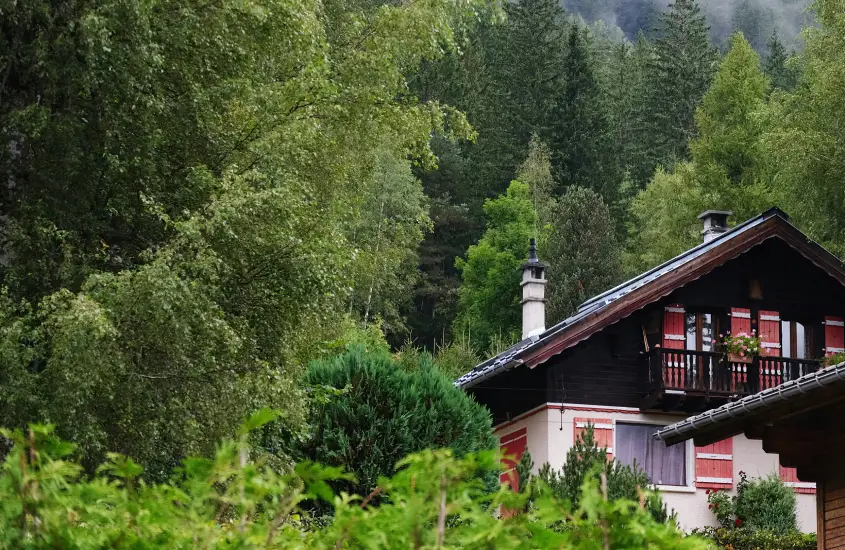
{"points": [[664, 465], [701, 330], [796, 340]]}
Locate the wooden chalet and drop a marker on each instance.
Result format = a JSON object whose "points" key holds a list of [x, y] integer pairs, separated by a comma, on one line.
{"points": [[643, 355]]}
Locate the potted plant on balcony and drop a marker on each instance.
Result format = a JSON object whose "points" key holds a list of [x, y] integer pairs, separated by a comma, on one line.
{"points": [[741, 347], [834, 359]]}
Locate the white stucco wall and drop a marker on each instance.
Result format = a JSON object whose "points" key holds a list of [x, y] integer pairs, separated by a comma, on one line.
{"points": [[550, 431]]}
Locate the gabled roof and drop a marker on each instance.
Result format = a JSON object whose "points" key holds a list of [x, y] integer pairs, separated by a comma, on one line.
{"points": [[621, 301]]}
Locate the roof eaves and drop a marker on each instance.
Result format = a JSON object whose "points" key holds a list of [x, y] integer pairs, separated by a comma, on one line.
{"points": [[747, 406]]}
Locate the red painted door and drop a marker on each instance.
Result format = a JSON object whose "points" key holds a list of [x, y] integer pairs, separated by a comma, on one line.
{"points": [[740, 323], [512, 446], [674, 338], [834, 335], [770, 369]]}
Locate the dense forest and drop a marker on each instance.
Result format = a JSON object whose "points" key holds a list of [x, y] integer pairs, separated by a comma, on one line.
{"points": [[202, 198]]}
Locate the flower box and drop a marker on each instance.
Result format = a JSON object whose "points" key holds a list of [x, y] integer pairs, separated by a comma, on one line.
{"points": [[737, 358]]}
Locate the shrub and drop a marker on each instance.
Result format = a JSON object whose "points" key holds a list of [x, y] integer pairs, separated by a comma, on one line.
{"points": [[386, 413], [586, 460], [745, 538], [767, 504], [434, 501]]}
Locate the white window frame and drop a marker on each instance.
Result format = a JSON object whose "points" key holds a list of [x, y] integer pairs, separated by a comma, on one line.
{"points": [[689, 473]]}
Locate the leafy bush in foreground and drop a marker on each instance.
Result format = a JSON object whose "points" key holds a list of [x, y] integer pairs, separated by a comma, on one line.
{"points": [[765, 504], [434, 501], [751, 539]]}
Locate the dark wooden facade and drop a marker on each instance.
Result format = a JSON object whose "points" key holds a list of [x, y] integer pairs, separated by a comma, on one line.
{"points": [[612, 367]]}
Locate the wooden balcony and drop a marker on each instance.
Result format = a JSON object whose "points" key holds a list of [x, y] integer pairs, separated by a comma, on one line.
{"points": [[692, 381]]}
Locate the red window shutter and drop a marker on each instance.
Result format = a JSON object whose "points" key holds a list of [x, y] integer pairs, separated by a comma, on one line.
{"points": [[714, 465], [512, 446], [789, 476], [834, 335], [674, 337], [740, 322], [770, 370], [602, 431]]}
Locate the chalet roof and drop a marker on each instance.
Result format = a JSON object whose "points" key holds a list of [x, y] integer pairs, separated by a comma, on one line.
{"points": [[617, 303], [808, 392]]}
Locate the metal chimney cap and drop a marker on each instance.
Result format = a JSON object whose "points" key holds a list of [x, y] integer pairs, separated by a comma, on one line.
{"points": [[532, 255], [708, 213]]}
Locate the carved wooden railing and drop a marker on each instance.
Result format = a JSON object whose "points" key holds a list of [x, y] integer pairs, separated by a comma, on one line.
{"points": [[711, 373]]}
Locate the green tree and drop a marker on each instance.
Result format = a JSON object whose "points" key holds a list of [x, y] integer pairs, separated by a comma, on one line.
{"points": [[725, 172], [382, 412], [184, 180], [728, 129], [587, 462], [536, 172], [490, 292], [582, 252], [391, 219], [579, 137], [681, 69], [777, 66]]}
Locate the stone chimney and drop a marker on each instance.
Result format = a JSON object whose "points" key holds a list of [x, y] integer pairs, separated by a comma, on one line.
{"points": [[533, 294], [715, 223]]}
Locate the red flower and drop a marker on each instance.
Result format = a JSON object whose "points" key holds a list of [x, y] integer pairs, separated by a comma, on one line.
{"points": [[710, 506], [738, 522], [707, 492]]}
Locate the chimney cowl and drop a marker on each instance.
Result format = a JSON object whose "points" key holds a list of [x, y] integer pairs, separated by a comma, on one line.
{"points": [[715, 223]]}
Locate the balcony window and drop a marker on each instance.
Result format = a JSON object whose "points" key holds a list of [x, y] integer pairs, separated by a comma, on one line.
{"points": [[796, 340], [700, 331], [663, 465]]}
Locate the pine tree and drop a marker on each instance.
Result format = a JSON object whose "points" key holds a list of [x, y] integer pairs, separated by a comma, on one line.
{"points": [[579, 137], [582, 252], [527, 64], [775, 65], [753, 20], [681, 70]]}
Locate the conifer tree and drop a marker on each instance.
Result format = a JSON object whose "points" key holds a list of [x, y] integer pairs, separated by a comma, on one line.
{"points": [[681, 70], [582, 252], [579, 138], [775, 66], [527, 64]]}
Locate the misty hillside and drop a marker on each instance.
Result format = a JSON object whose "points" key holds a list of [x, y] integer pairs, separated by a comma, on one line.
{"points": [[757, 19]]}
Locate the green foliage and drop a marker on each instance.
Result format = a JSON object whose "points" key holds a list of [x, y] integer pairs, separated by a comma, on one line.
{"points": [[391, 218], [524, 471], [778, 65], [750, 539], [724, 172], [586, 462], [490, 292], [186, 187], [803, 151], [387, 412], [764, 504], [767, 504], [234, 501], [582, 252], [579, 138], [681, 68]]}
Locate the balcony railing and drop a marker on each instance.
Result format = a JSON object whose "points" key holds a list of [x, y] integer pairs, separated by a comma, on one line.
{"points": [[709, 373]]}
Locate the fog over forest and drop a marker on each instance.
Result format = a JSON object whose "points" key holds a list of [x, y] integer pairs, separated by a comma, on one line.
{"points": [[757, 19]]}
